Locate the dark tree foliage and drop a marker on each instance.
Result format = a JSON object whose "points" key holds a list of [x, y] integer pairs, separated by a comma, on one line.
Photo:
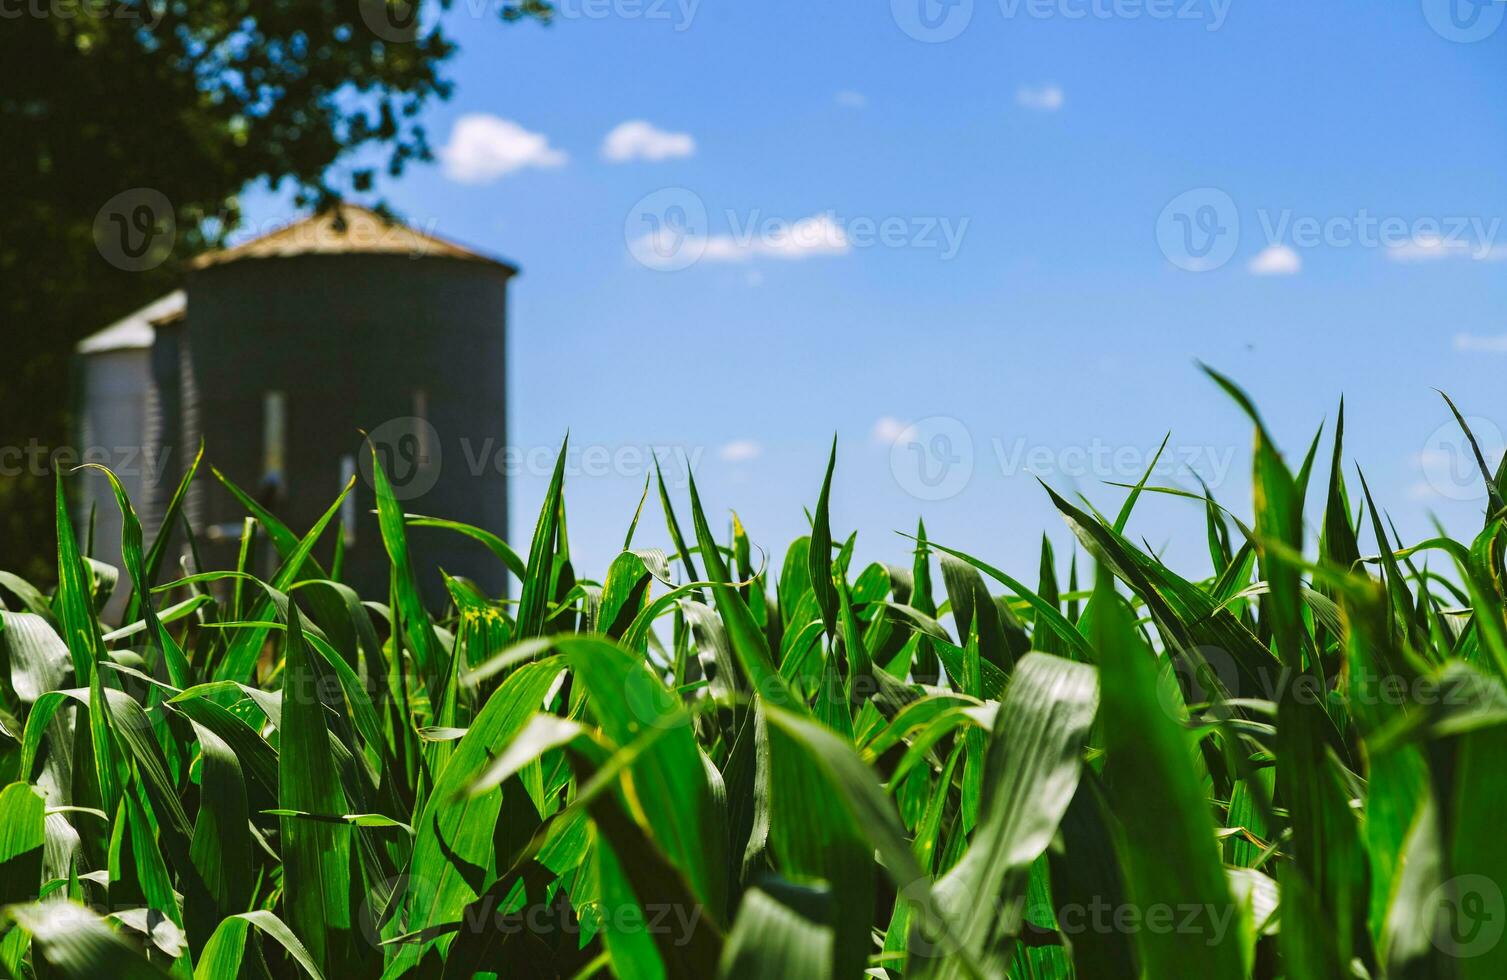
{"points": [[128, 129]]}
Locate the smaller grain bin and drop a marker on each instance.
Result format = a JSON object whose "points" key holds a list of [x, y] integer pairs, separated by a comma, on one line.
{"points": [[127, 419]]}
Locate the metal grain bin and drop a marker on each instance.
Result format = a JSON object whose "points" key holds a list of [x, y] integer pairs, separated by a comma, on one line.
{"points": [[307, 337], [126, 420]]}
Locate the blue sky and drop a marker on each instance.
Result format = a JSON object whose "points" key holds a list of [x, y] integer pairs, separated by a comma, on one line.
{"points": [[1359, 147]]}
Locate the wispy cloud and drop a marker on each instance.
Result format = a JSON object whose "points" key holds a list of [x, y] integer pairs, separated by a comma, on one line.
{"points": [[740, 451], [805, 238], [1040, 98], [813, 237], [637, 139], [1421, 490], [887, 429], [849, 99], [1478, 343], [1276, 260], [1434, 248], [484, 148]]}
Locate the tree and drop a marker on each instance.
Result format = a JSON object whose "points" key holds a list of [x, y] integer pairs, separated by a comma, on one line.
{"points": [[129, 128]]}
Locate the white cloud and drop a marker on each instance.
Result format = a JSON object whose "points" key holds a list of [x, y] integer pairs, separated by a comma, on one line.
{"points": [[887, 429], [640, 140], [1486, 345], [1040, 98], [1427, 248], [1421, 490], [1432, 248], [805, 238], [740, 451], [1275, 260], [484, 147], [819, 234], [849, 99]]}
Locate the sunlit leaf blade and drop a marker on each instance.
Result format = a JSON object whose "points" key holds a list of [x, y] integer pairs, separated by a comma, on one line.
{"points": [[538, 575], [78, 945], [225, 952], [23, 836], [819, 556], [783, 931], [1030, 778], [453, 849]]}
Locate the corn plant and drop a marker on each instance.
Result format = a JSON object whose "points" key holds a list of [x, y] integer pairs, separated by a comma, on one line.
{"points": [[694, 768]]}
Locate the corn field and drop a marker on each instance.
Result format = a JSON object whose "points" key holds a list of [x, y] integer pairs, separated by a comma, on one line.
{"points": [[709, 763]]}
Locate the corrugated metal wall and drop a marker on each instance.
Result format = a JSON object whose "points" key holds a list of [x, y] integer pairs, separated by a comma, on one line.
{"points": [[116, 412]]}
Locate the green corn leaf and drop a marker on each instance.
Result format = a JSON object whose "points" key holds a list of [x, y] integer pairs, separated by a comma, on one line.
{"points": [[131, 553], [538, 576], [23, 837], [819, 554], [1030, 778], [783, 931], [222, 841], [316, 856], [226, 950], [39, 659], [747, 640], [493, 542], [453, 835], [152, 564], [1168, 851], [431, 658], [76, 944], [240, 659]]}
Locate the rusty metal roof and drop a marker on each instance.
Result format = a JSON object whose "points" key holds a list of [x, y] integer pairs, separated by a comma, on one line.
{"points": [[348, 229]]}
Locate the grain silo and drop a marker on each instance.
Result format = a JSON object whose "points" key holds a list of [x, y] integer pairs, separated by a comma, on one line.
{"points": [[344, 323], [127, 418]]}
